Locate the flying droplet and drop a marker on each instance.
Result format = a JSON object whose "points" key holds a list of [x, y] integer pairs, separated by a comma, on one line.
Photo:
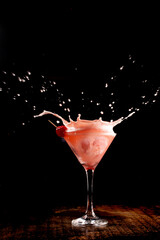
{"points": [[156, 94], [27, 77], [130, 57], [121, 68]]}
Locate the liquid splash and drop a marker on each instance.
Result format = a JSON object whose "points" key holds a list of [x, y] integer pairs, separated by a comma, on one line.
{"points": [[30, 93], [81, 123]]}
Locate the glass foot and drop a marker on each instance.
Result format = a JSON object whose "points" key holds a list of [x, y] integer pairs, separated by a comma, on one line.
{"points": [[92, 221]]}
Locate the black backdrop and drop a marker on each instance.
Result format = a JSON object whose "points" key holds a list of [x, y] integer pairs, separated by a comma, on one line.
{"points": [[78, 46]]}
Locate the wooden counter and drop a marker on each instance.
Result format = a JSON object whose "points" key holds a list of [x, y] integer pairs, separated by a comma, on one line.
{"points": [[124, 223]]}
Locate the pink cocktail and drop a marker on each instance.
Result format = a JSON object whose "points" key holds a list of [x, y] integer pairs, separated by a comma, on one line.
{"points": [[89, 141], [89, 144]]}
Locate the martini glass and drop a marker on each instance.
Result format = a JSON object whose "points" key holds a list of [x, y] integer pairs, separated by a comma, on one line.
{"points": [[89, 141], [89, 145]]}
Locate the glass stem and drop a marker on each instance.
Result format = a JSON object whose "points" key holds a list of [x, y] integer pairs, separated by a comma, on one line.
{"points": [[89, 210]]}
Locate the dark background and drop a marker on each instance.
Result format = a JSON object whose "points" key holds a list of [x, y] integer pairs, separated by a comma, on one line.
{"points": [[78, 46]]}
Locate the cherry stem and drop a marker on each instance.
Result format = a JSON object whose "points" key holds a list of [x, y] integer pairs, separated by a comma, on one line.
{"points": [[52, 123]]}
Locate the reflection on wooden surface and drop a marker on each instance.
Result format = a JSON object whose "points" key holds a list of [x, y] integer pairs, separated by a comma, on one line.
{"points": [[124, 223]]}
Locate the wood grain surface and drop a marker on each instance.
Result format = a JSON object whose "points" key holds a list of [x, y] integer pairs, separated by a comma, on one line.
{"points": [[124, 223]]}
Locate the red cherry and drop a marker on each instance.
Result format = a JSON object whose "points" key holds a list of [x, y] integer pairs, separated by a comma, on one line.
{"points": [[60, 131]]}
